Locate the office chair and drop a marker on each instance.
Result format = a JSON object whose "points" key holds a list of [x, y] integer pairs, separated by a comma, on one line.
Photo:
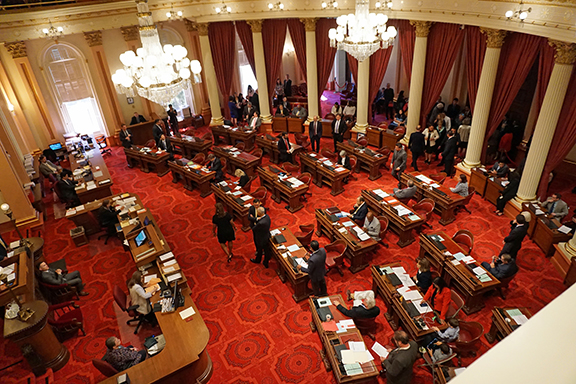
{"points": [[126, 306], [66, 319], [335, 256], [105, 368], [465, 239], [102, 144]]}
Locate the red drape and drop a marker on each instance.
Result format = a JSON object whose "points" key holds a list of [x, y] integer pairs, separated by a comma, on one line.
{"points": [[298, 34], [516, 59], [407, 39], [273, 37], [353, 65], [440, 57], [324, 53], [476, 49], [564, 136], [221, 36], [545, 65], [245, 34], [378, 65]]}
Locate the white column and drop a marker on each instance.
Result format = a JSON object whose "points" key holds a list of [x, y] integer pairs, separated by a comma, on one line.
{"points": [[311, 68], [494, 41], [210, 72], [547, 121], [362, 106], [417, 79], [260, 64]]}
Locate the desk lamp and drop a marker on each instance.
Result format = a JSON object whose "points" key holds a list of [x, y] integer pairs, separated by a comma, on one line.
{"points": [[8, 212], [23, 313]]}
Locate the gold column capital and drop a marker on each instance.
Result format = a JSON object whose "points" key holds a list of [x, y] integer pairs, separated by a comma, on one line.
{"points": [[130, 33], [17, 49], [565, 53], [494, 37], [93, 38], [309, 23], [256, 25], [202, 29], [190, 25], [422, 27]]}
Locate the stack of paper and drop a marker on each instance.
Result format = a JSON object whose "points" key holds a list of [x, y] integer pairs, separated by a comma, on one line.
{"points": [[380, 350], [275, 232], [293, 248], [380, 193], [402, 210], [424, 179], [340, 169], [564, 229]]}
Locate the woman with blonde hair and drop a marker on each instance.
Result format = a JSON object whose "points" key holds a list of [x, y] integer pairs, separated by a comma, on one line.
{"points": [[243, 178], [223, 227]]}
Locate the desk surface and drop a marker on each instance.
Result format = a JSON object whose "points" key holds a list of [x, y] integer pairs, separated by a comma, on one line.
{"points": [[24, 282], [102, 179], [281, 191], [238, 201]]}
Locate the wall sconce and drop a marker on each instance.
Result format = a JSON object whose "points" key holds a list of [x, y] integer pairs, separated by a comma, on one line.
{"points": [[276, 7], [174, 15], [222, 9], [53, 32], [520, 14], [330, 4]]}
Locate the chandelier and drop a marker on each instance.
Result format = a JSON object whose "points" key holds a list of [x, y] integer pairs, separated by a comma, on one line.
{"points": [[174, 15], [154, 72], [363, 33], [520, 14], [330, 4], [53, 32]]}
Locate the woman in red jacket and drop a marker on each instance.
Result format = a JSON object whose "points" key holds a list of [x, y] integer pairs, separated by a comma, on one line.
{"points": [[439, 296]]}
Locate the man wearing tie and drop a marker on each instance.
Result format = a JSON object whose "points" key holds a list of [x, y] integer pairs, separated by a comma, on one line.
{"points": [[315, 133], [165, 145], [125, 136], [338, 129], [555, 207], [261, 230], [214, 164], [398, 161], [67, 189], [284, 148], [255, 121], [316, 269], [157, 131]]}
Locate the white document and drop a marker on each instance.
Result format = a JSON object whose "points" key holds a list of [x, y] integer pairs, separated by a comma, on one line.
{"points": [[479, 271], [564, 229], [402, 290], [149, 277], [166, 256], [342, 230], [98, 174], [173, 277], [280, 247], [412, 295], [169, 263], [349, 224], [350, 357], [399, 270], [15, 244], [459, 256], [520, 319], [169, 269], [301, 262], [539, 212], [348, 323], [293, 247], [187, 313], [356, 346], [236, 193], [468, 259], [455, 262], [246, 198], [10, 254], [275, 232], [324, 302], [424, 179], [380, 350], [340, 169], [363, 237], [435, 185]]}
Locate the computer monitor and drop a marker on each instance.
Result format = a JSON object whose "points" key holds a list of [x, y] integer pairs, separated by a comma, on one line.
{"points": [[140, 238], [177, 298], [56, 146]]}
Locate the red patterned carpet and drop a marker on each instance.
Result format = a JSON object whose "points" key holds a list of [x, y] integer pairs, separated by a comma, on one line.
{"points": [[258, 333]]}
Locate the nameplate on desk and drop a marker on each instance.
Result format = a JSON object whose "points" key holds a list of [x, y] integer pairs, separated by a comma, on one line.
{"points": [[185, 314]]}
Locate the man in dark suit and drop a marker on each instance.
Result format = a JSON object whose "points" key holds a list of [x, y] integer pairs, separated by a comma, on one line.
{"points": [[398, 161], [165, 145], [360, 210], [389, 102], [125, 136], [214, 164], [315, 133], [364, 306], [449, 152], [407, 192], [286, 105], [338, 128], [513, 242], [344, 160], [316, 269], [137, 119], [500, 169], [287, 86], [55, 277], [501, 267], [261, 231], [253, 215], [157, 131], [398, 365], [284, 148], [416, 146], [108, 217], [67, 188]]}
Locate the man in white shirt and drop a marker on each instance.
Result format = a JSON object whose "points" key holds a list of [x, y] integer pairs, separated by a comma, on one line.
{"points": [[255, 121], [349, 110], [372, 226]]}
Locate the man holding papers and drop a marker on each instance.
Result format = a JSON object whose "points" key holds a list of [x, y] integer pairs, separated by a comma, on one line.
{"points": [[398, 365], [316, 269]]}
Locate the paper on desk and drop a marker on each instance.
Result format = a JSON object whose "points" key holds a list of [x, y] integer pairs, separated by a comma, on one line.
{"points": [[421, 309], [342, 230], [237, 188], [169, 263], [301, 262], [424, 179], [356, 346], [324, 302], [349, 224], [246, 198], [353, 369], [392, 201], [514, 312], [248, 205], [293, 247], [484, 278], [237, 193], [387, 270], [15, 244], [459, 256], [187, 313], [399, 270], [520, 319], [341, 328], [402, 290], [149, 277], [564, 229], [11, 277], [468, 259], [363, 237], [173, 277], [351, 357], [166, 256], [10, 254], [98, 174], [539, 212], [169, 269], [435, 185], [340, 169], [348, 323], [479, 271], [380, 350], [412, 295], [275, 232], [90, 186], [455, 262], [414, 217]]}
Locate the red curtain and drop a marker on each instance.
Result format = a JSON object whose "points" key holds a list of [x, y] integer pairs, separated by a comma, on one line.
{"points": [[378, 65], [564, 136], [444, 42], [545, 65], [245, 34], [298, 34], [516, 59], [324, 53], [407, 39], [273, 37], [353, 65], [476, 49], [221, 36]]}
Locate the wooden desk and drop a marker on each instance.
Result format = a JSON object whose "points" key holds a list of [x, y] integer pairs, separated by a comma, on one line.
{"points": [[189, 146], [396, 314], [478, 180], [271, 147], [245, 161], [374, 136], [330, 339], [446, 200], [545, 237], [232, 135], [232, 205], [389, 138], [356, 250], [88, 216], [502, 322], [220, 134], [281, 191], [192, 175], [279, 124], [24, 282], [326, 127], [102, 178], [493, 188], [298, 280], [404, 226], [321, 174], [295, 124], [458, 276], [147, 160], [370, 163], [531, 208], [142, 132]]}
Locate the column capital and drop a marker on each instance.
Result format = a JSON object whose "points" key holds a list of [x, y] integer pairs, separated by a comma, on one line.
{"points": [[309, 23], [190, 25], [494, 37], [565, 53], [130, 33], [17, 49], [93, 38], [256, 25], [202, 28], [422, 27]]}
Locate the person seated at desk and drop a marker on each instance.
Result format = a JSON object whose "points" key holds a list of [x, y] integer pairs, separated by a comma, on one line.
{"points": [[439, 297], [555, 207], [243, 178], [364, 305], [423, 278], [300, 112], [137, 119], [108, 217], [316, 269], [349, 110], [141, 298], [255, 121], [360, 210], [344, 160], [462, 187], [121, 357], [372, 226], [440, 353], [125, 136], [49, 169], [67, 188], [281, 111], [284, 148], [55, 277], [399, 364], [165, 145], [399, 119], [501, 267], [407, 192], [215, 165], [499, 169], [508, 193], [336, 109], [433, 341]]}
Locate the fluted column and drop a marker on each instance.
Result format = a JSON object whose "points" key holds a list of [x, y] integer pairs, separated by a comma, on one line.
{"points": [[200, 91], [362, 106], [547, 120], [494, 42], [417, 79], [260, 64], [211, 82], [569, 247], [311, 68]]}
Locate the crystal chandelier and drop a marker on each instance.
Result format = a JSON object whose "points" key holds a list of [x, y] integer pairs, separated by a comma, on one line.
{"points": [[363, 33], [154, 72]]}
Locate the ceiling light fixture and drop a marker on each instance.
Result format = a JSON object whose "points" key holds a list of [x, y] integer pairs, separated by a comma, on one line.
{"points": [[330, 4], [379, 4], [276, 7], [520, 14], [53, 32], [174, 15], [223, 9]]}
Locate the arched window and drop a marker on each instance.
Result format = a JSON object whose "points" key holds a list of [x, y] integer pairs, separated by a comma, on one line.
{"points": [[68, 77]]}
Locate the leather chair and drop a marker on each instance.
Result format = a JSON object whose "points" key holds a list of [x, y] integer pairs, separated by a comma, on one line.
{"points": [[464, 205], [367, 326], [433, 364], [248, 185], [467, 343], [362, 142], [465, 239], [240, 146], [456, 304], [400, 131], [328, 154], [335, 256], [66, 202], [383, 228], [102, 144], [385, 152], [290, 168], [105, 368], [262, 194], [207, 136], [270, 137], [151, 144], [383, 125], [305, 236], [306, 178], [258, 152], [224, 167], [504, 283], [354, 166], [66, 319], [425, 207], [126, 306], [58, 293], [200, 158], [305, 144], [300, 138], [439, 177]]}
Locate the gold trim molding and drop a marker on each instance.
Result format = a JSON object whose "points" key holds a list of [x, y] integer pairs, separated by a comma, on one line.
{"points": [[202, 29], [93, 38], [422, 27], [494, 37], [256, 25], [190, 26], [17, 49], [130, 33], [565, 53], [309, 24]]}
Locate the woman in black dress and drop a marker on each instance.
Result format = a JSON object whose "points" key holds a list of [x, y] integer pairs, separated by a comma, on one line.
{"points": [[223, 226]]}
